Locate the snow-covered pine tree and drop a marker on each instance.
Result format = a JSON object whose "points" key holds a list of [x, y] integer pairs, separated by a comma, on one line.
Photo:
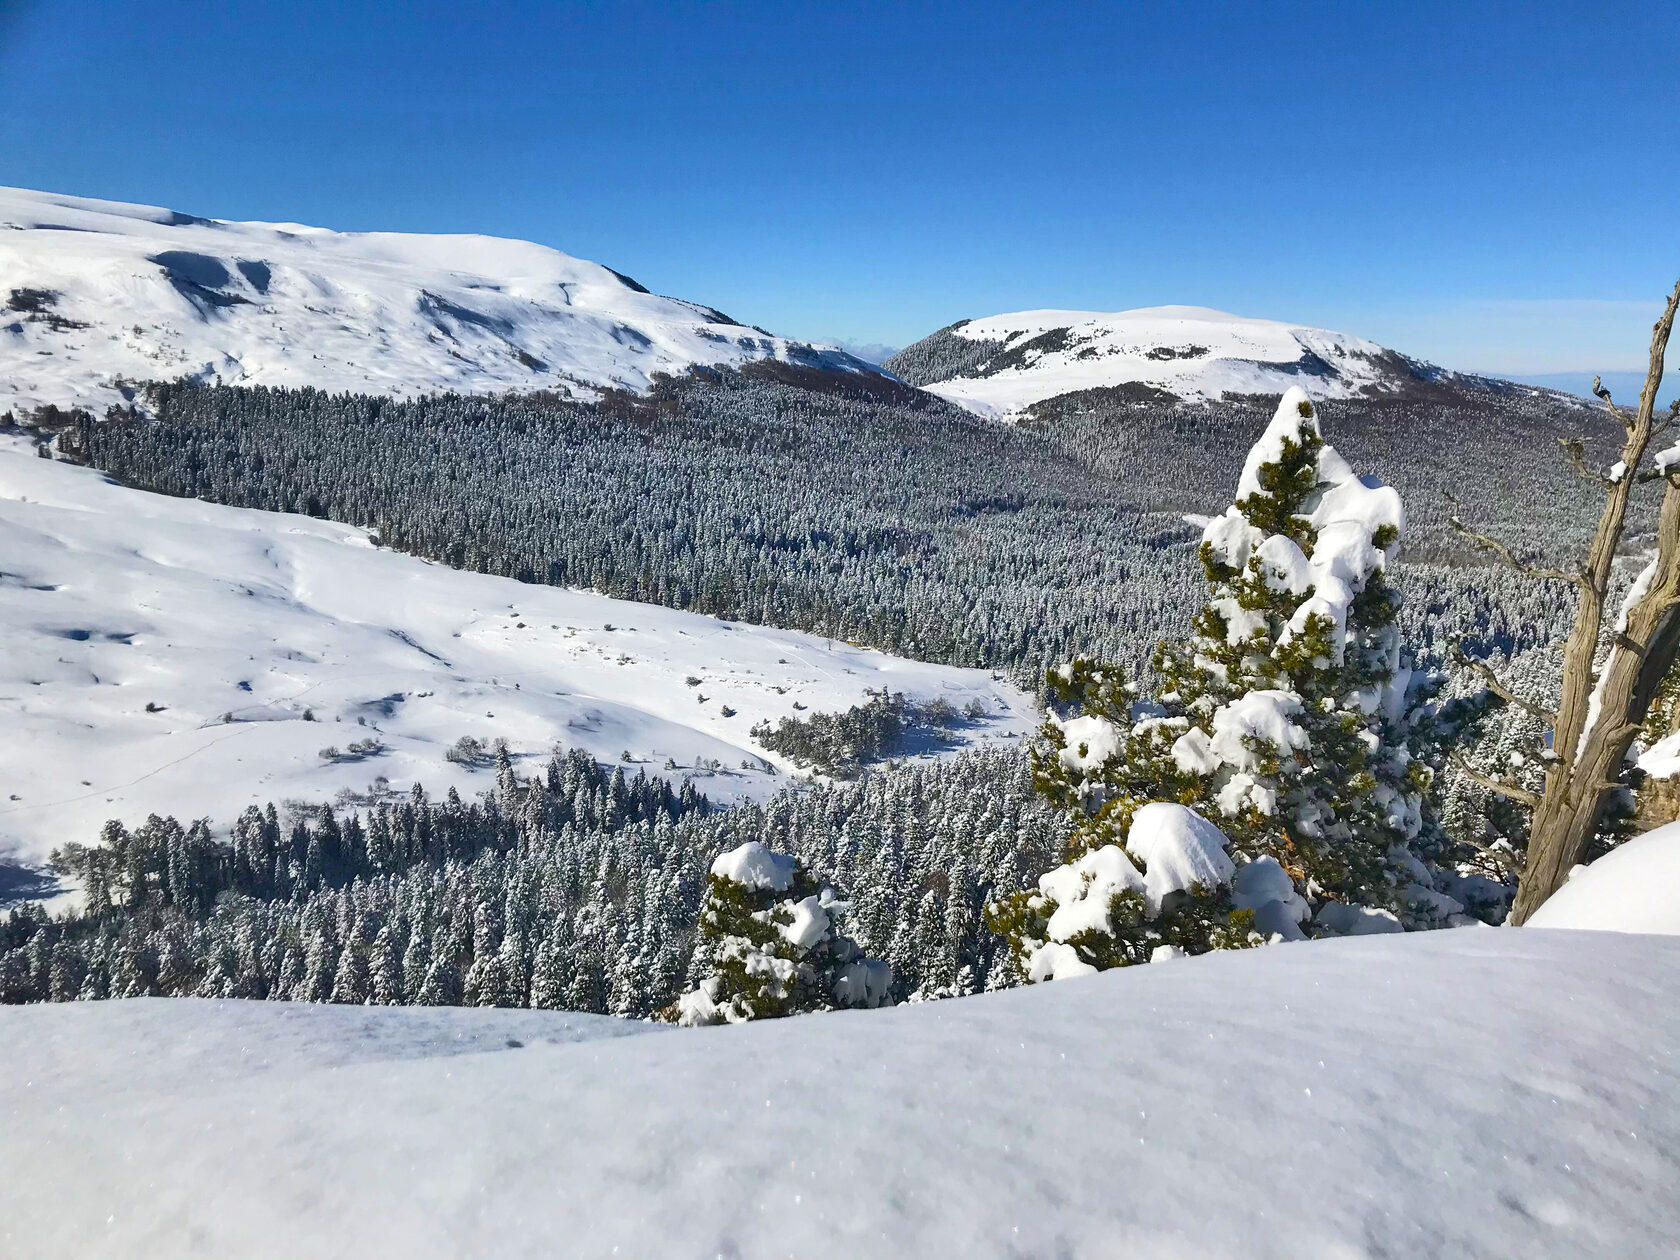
{"points": [[770, 946], [385, 970], [352, 983], [1103, 910], [1286, 716]]}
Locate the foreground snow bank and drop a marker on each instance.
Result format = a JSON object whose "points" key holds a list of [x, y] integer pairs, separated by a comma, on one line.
{"points": [[1633, 888], [1454, 1094]]}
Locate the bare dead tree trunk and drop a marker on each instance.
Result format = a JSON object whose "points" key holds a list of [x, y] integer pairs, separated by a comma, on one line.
{"points": [[1601, 711]]}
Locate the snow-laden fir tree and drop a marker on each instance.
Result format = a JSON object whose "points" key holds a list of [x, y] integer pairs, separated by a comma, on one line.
{"points": [[1286, 717], [1165, 892], [770, 945]]}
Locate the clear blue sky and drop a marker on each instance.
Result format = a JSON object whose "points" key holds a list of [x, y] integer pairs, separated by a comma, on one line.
{"points": [[1492, 186]]}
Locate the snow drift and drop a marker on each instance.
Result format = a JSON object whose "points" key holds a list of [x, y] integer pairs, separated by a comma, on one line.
{"points": [[1470, 1093], [1633, 888], [101, 295]]}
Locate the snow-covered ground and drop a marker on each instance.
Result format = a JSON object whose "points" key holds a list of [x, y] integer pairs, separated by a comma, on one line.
{"points": [[94, 291], [1633, 888], [234, 624], [1454, 1094], [1190, 351]]}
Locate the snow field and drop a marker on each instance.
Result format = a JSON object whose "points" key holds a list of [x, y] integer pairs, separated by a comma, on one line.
{"points": [[1190, 351], [1469, 1093], [1633, 888]]}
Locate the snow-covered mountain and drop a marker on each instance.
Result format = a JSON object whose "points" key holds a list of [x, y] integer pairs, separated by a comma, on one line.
{"points": [[1004, 364], [93, 293], [174, 656]]}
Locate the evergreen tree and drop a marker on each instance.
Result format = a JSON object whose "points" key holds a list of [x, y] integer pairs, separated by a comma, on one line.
{"points": [[771, 946], [352, 986], [385, 980], [1289, 716]]}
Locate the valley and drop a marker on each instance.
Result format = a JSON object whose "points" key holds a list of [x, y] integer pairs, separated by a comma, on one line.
{"points": [[175, 657]]}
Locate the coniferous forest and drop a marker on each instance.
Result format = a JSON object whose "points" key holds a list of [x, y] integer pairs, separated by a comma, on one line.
{"points": [[572, 889], [891, 520], [902, 523]]}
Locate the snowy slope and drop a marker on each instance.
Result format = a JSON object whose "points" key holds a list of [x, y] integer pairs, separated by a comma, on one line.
{"points": [[93, 291], [112, 599], [1003, 364], [1633, 888], [1454, 1094]]}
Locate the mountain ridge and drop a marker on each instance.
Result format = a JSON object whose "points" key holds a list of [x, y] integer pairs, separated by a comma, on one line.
{"points": [[1004, 365], [98, 296]]}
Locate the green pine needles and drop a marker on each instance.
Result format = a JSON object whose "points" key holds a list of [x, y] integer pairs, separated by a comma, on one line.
{"points": [[1289, 716], [770, 946]]}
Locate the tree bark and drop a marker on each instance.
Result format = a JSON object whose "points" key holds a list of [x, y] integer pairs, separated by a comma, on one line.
{"points": [[1601, 711]]}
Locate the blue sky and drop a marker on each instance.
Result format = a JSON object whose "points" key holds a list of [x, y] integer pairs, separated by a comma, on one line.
{"points": [[1492, 186]]}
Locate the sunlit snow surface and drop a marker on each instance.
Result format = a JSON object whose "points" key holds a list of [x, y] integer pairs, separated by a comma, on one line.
{"points": [[236, 623], [1189, 351], [1472, 1093], [143, 293], [1633, 888]]}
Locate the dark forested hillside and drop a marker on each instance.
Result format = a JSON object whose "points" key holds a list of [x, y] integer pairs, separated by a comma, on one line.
{"points": [[1492, 458], [894, 520], [917, 529], [905, 524]]}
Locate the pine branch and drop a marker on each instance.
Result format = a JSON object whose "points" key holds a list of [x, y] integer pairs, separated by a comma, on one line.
{"points": [[1485, 672], [1484, 543], [1520, 795]]}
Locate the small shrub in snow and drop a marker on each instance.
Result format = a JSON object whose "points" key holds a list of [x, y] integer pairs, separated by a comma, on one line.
{"points": [[466, 751], [770, 945]]}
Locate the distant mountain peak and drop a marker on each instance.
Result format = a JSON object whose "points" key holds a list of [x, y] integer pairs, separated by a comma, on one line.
{"points": [[1004, 364], [96, 296]]}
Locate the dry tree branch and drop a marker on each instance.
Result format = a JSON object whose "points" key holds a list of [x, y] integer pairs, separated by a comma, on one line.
{"points": [[1520, 795], [1658, 428], [1485, 672], [1620, 416], [1483, 543], [1575, 451]]}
